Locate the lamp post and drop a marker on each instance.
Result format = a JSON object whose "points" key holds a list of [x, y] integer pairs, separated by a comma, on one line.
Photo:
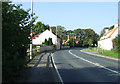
{"points": [[31, 29]]}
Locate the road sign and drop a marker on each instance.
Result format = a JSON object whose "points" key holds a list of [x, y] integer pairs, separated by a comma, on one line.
{"points": [[31, 36]]}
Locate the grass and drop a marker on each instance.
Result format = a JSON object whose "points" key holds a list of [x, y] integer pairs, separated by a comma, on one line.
{"points": [[108, 53]]}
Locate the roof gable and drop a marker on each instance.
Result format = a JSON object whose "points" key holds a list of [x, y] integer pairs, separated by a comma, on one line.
{"points": [[109, 33]]}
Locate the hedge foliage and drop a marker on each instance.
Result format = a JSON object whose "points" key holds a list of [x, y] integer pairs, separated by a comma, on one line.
{"points": [[48, 42], [116, 43], [16, 25]]}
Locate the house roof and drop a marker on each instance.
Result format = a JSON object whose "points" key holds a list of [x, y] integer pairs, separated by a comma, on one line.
{"points": [[113, 32], [47, 33], [37, 35], [109, 33]]}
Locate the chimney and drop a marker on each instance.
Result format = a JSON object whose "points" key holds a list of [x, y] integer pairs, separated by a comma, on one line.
{"points": [[116, 25], [50, 29], [106, 30]]}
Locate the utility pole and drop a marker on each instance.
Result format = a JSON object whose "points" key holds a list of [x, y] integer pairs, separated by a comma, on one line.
{"points": [[31, 29], [73, 39], [56, 36]]}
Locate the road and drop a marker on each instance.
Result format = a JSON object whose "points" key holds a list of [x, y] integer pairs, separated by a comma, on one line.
{"points": [[76, 66]]}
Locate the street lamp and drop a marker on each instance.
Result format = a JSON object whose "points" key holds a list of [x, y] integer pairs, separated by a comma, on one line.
{"points": [[31, 29]]}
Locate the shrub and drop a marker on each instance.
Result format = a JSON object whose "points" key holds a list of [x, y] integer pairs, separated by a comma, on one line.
{"points": [[65, 44], [46, 42], [50, 41], [116, 43]]}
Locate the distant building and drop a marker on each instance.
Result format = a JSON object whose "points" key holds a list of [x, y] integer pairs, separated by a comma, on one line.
{"points": [[66, 41], [46, 35], [76, 41], [106, 41]]}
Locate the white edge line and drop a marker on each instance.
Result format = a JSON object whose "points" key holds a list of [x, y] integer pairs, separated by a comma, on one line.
{"points": [[99, 55], [57, 70], [93, 63]]}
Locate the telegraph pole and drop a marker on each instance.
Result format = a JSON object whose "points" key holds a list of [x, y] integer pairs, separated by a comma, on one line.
{"points": [[31, 29], [73, 39], [56, 34]]}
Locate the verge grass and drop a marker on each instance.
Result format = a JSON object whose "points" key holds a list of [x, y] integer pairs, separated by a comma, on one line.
{"points": [[109, 53]]}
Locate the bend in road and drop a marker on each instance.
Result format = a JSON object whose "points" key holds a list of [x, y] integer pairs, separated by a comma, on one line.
{"points": [[75, 66]]}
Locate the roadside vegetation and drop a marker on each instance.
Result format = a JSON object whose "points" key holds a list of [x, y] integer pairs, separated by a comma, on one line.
{"points": [[110, 53], [16, 25]]}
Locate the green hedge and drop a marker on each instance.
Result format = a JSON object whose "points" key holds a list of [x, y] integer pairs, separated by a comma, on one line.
{"points": [[116, 43], [49, 42]]}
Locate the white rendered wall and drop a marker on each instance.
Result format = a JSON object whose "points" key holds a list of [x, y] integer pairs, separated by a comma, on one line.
{"points": [[106, 44], [45, 35]]}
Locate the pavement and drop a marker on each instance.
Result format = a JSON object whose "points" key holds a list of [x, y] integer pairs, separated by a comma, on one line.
{"points": [[40, 70]]}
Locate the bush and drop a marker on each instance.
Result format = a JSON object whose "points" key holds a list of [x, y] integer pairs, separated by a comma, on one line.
{"points": [[14, 40], [46, 42], [65, 44], [116, 43], [50, 41]]}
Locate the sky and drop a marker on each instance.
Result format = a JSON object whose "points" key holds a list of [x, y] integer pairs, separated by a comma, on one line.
{"points": [[73, 15]]}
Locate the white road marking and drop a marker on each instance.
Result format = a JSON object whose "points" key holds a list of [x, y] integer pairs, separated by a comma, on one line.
{"points": [[57, 70], [93, 63]]}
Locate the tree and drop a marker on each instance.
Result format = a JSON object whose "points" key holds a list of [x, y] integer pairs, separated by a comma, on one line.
{"points": [[103, 32], [60, 31], [16, 26], [37, 28], [88, 37], [111, 27], [71, 42], [79, 35], [40, 27], [53, 29]]}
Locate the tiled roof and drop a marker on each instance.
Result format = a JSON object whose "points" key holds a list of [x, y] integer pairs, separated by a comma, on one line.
{"points": [[37, 35], [113, 32], [109, 33]]}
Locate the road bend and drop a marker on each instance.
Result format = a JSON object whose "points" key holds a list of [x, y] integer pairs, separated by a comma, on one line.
{"points": [[76, 66]]}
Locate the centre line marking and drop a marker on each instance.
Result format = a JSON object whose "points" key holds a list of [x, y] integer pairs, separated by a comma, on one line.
{"points": [[93, 63]]}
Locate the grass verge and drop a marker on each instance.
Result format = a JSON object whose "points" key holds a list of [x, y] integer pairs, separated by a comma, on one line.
{"points": [[109, 53]]}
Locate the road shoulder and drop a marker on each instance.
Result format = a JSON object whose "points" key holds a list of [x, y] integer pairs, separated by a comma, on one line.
{"points": [[83, 50]]}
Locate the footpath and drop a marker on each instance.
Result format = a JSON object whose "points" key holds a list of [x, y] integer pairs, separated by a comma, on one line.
{"points": [[40, 70]]}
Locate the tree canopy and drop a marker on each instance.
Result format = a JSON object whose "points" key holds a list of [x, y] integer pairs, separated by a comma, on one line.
{"points": [[16, 24], [40, 27]]}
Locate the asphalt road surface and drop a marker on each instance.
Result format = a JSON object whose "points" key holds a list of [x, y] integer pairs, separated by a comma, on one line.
{"points": [[76, 66]]}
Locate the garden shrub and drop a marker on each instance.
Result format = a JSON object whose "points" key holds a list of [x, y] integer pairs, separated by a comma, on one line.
{"points": [[50, 41], [116, 43], [46, 42]]}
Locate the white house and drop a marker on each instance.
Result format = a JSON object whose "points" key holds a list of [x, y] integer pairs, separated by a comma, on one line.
{"points": [[46, 35], [106, 41]]}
